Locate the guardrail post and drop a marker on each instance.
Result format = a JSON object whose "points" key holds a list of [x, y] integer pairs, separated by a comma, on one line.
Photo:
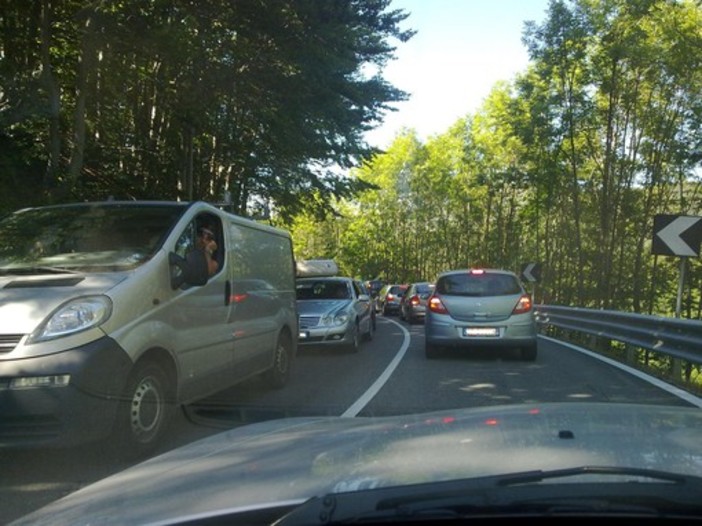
{"points": [[629, 353], [676, 369]]}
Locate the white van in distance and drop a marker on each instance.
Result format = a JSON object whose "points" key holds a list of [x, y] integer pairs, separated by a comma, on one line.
{"points": [[109, 318]]}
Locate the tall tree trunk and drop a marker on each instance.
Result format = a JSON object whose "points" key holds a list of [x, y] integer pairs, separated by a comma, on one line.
{"points": [[51, 173]]}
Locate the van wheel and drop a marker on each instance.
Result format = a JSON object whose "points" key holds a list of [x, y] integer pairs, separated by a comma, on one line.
{"points": [[145, 410], [277, 376]]}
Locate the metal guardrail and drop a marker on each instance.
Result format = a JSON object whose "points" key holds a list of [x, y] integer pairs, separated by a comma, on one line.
{"points": [[678, 338]]}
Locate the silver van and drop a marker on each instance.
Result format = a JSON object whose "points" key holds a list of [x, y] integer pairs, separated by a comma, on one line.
{"points": [[109, 318]]}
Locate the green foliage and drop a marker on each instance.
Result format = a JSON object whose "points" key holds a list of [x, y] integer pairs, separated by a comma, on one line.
{"points": [[565, 166], [189, 100]]}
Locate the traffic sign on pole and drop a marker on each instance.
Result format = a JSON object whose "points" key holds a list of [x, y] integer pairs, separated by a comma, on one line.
{"points": [[532, 272], [677, 235]]}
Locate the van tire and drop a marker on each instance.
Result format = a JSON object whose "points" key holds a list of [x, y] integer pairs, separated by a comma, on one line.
{"points": [[145, 410], [277, 376]]}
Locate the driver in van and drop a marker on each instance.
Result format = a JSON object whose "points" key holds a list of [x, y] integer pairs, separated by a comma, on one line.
{"points": [[206, 242]]}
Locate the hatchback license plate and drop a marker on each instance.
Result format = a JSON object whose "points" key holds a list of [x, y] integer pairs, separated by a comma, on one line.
{"points": [[491, 332]]}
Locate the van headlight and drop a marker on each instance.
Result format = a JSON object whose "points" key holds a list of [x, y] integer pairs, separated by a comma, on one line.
{"points": [[73, 316]]}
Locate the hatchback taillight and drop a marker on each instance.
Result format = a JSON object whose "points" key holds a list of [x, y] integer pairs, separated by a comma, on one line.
{"points": [[414, 300], [436, 305], [523, 305]]}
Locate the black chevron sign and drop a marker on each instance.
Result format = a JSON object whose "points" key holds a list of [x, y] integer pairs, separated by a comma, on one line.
{"points": [[531, 272], [677, 235]]}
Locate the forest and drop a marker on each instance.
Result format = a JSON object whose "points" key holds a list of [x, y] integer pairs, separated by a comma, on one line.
{"points": [[262, 106]]}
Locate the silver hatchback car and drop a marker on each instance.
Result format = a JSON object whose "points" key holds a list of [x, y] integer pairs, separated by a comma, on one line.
{"points": [[480, 308]]}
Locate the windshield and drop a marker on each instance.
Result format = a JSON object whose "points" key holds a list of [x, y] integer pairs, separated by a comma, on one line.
{"points": [[83, 237], [322, 290], [395, 259]]}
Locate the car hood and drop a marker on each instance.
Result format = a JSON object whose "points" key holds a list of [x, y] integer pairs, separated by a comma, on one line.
{"points": [[296, 458], [320, 307]]}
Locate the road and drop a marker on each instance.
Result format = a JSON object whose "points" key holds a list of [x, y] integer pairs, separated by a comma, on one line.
{"points": [[390, 375]]}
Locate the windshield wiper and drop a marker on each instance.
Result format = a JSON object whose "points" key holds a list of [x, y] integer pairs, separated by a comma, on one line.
{"points": [[539, 476], [643, 493]]}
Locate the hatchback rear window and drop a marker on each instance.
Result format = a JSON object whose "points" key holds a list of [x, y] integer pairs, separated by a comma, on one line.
{"points": [[424, 289], [478, 285]]}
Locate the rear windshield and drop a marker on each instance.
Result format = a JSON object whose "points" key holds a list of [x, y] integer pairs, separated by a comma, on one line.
{"points": [[398, 290], [424, 289], [486, 284]]}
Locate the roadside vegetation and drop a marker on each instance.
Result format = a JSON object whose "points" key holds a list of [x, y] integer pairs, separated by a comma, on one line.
{"points": [[263, 106], [565, 165]]}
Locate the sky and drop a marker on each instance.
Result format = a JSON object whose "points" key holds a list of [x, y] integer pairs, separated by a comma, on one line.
{"points": [[461, 49]]}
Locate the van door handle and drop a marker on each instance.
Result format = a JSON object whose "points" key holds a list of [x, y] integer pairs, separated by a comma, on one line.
{"points": [[227, 293]]}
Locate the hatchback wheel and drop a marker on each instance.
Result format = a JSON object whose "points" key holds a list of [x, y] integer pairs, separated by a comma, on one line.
{"points": [[431, 351], [529, 353]]}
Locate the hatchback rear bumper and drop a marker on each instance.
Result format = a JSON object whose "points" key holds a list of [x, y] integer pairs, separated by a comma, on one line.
{"points": [[448, 332]]}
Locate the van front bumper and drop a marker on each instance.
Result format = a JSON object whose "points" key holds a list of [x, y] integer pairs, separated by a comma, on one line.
{"points": [[62, 399]]}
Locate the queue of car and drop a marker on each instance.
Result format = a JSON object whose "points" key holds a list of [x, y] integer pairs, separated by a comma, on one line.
{"points": [[390, 297], [413, 306]]}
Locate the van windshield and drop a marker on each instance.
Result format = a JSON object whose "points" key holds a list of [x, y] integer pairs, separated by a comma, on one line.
{"points": [[97, 237]]}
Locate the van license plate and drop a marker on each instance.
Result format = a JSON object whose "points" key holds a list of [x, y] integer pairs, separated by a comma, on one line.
{"points": [[489, 332]]}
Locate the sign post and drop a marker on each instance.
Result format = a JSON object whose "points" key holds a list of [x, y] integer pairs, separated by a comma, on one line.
{"points": [[531, 272]]}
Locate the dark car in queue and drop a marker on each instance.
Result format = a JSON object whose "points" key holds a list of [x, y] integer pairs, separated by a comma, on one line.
{"points": [[414, 302], [389, 299], [333, 312], [374, 286], [480, 308]]}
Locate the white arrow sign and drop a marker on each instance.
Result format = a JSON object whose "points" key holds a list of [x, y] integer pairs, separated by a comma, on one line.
{"points": [[531, 272], [670, 235]]}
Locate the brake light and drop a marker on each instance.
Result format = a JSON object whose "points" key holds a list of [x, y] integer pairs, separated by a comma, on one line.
{"points": [[414, 300], [523, 305], [436, 305], [477, 271], [390, 297]]}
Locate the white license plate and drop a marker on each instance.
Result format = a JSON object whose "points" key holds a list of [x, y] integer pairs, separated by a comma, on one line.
{"points": [[484, 332]]}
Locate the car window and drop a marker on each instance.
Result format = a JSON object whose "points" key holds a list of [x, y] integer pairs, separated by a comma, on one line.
{"points": [[423, 289]]}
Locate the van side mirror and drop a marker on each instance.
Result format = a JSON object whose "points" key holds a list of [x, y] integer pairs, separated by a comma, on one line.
{"points": [[188, 270]]}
